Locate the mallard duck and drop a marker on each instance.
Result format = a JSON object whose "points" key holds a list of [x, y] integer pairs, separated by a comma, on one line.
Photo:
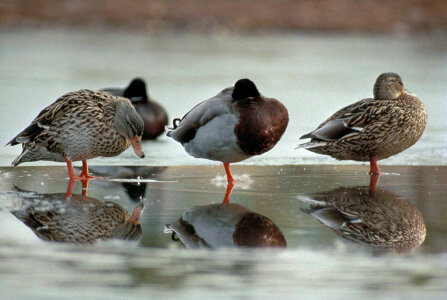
{"points": [[153, 114], [234, 125], [79, 219], [226, 225], [372, 129], [380, 220], [81, 125]]}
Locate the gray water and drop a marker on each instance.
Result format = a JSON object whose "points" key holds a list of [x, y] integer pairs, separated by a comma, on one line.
{"points": [[313, 75], [316, 264]]}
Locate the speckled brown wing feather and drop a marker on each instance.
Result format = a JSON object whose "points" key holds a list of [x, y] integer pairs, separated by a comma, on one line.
{"points": [[78, 219], [64, 105], [79, 126], [350, 120], [382, 220], [376, 127]]}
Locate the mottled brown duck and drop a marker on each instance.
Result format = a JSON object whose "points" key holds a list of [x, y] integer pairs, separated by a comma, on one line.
{"points": [[232, 126], [79, 219], [79, 126], [372, 129], [153, 114], [381, 220]]}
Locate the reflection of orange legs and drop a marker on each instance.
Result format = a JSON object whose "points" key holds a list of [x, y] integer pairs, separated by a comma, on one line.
{"points": [[71, 184], [230, 188], [373, 180], [373, 167], [230, 178], [84, 186]]}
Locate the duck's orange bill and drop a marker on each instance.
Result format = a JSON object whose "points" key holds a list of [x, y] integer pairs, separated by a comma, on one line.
{"points": [[136, 144]]}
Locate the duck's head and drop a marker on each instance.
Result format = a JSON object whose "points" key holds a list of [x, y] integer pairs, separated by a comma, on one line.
{"points": [[243, 89], [129, 124], [131, 229], [136, 91], [388, 86]]}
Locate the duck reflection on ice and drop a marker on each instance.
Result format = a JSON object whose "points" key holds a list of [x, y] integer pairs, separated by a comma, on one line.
{"points": [[380, 219], [225, 225], [78, 219]]}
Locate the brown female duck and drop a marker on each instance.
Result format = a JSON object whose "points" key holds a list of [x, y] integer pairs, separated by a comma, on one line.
{"points": [[79, 219], [81, 125], [153, 114], [380, 220], [372, 129]]}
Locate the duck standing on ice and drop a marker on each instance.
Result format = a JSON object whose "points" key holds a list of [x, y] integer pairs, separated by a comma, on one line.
{"points": [[81, 125], [372, 129], [234, 125]]}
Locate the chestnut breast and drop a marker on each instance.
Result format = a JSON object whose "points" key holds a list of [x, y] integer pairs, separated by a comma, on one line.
{"points": [[262, 122]]}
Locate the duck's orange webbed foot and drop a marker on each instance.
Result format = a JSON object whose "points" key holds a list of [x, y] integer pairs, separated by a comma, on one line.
{"points": [[84, 174]]}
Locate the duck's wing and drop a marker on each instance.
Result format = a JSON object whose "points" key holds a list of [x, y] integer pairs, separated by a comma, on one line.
{"points": [[349, 120], [185, 129], [54, 111]]}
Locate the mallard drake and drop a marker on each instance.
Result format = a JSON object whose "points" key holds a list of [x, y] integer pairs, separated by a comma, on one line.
{"points": [[380, 220], [226, 225], [234, 125], [372, 129], [79, 219], [81, 125], [153, 114]]}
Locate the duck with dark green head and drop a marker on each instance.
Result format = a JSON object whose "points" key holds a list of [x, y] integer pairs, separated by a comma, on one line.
{"points": [[234, 125]]}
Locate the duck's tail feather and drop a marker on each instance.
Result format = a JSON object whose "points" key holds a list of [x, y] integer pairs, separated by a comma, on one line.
{"points": [[175, 123], [311, 144], [20, 158], [310, 201], [28, 134]]}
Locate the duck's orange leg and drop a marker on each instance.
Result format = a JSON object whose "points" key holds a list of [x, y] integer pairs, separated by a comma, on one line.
{"points": [[84, 174], [230, 187], [373, 167], [71, 172], [230, 178]]}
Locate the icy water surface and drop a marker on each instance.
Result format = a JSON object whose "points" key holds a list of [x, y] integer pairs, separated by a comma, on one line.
{"points": [[312, 74], [342, 237]]}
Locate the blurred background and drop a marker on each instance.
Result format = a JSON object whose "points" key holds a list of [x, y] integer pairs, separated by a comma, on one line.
{"points": [[396, 16], [314, 56]]}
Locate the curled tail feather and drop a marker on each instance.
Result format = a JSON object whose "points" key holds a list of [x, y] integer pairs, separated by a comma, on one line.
{"points": [[175, 123]]}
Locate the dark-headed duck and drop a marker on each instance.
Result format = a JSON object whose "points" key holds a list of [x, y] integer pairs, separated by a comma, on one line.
{"points": [[153, 114], [234, 125], [226, 225]]}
